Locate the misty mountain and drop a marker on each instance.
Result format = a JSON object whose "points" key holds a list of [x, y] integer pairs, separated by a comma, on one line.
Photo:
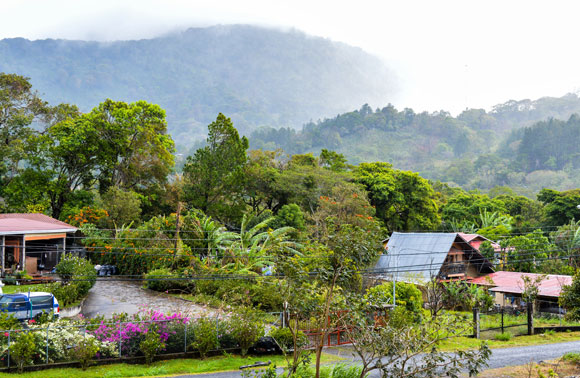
{"points": [[257, 76], [527, 144]]}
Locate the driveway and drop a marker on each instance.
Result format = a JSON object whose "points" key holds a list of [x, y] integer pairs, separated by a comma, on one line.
{"points": [[499, 358], [110, 296]]}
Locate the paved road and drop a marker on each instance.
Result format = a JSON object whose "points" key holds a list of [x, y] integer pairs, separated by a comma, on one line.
{"points": [[499, 358], [109, 296]]}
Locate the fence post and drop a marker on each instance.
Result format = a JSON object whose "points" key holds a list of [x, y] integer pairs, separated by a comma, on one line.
{"points": [[185, 339], [530, 318], [120, 353], [8, 349], [47, 343], [476, 323], [502, 320]]}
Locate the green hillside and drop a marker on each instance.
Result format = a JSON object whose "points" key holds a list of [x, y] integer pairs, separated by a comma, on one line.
{"points": [[259, 77], [524, 144]]}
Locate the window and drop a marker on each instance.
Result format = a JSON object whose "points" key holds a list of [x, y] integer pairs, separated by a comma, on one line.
{"points": [[45, 300]]}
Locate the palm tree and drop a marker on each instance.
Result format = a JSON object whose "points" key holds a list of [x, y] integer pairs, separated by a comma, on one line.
{"points": [[254, 249]]}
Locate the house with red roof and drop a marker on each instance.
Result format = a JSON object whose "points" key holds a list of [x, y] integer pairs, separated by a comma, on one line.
{"points": [[31, 242], [475, 241], [507, 287]]}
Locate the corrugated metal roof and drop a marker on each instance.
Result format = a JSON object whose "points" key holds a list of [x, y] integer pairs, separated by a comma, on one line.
{"points": [[18, 224], [511, 282], [415, 255]]}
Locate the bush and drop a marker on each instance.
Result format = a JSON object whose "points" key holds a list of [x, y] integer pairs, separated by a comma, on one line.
{"points": [[407, 295], [22, 350], [85, 351], [506, 336], [78, 277], [158, 280], [9, 280], [65, 294], [573, 357], [247, 328], [151, 345], [205, 336], [284, 339], [242, 293], [8, 321]]}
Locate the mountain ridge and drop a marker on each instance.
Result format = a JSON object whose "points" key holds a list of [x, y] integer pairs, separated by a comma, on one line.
{"points": [[257, 76]]}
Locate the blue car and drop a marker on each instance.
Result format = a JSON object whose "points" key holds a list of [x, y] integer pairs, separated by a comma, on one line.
{"points": [[24, 306]]}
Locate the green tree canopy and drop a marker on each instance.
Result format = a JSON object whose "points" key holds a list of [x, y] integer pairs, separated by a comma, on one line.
{"points": [[404, 200], [215, 173]]}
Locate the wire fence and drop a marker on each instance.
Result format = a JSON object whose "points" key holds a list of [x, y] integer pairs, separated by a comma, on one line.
{"points": [[120, 339]]}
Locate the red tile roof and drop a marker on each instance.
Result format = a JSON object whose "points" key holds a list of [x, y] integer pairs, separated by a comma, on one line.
{"points": [[475, 241], [511, 282], [15, 224]]}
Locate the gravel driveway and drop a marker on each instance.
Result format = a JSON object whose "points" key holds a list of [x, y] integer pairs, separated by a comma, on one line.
{"points": [[110, 296], [499, 358]]}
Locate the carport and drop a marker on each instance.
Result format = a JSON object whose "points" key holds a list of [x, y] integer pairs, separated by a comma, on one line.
{"points": [[31, 242]]}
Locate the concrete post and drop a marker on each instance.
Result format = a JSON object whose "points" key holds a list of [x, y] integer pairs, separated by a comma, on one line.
{"points": [[530, 318], [476, 323]]}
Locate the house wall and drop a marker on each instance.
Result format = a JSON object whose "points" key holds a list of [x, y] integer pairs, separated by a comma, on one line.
{"points": [[472, 271]]}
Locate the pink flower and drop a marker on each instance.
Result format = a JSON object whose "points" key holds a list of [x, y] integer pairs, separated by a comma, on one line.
{"points": [[6, 334]]}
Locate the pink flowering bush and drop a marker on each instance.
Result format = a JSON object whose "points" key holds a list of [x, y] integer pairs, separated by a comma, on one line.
{"points": [[130, 331]]}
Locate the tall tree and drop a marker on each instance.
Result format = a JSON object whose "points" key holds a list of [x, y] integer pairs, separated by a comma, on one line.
{"points": [[404, 200], [215, 173], [138, 152], [20, 106]]}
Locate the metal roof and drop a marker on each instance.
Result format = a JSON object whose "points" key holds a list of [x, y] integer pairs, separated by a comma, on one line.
{"points": [[511, 282], [19, 224], [417, 256]]}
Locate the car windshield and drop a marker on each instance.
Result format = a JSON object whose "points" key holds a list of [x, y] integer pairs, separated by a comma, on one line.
{"points": [[4, 299]]}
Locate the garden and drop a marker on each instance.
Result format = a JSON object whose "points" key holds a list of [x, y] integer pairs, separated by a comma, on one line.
{"points": [[137, 338]]}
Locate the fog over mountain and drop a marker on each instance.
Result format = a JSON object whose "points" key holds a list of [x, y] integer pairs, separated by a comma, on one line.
{"points": [[257, 76]]}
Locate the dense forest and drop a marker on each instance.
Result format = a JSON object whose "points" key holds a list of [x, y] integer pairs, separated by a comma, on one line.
{"points": [[527, 145], [114, 168], [258, 76]]}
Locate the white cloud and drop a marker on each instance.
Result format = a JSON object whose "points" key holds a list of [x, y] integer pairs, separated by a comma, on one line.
{"points": [[449, 54]]}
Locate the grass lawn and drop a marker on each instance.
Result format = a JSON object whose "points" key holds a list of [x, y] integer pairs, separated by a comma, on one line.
{"points": [[161, 368], [469, 343], [11, 289]]}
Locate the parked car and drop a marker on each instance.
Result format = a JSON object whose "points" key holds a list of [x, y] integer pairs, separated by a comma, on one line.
{"points": [[24, 306], [106, 270]]}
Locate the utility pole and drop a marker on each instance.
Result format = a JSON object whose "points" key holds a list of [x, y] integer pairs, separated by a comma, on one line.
{"points": [[395, 278]]}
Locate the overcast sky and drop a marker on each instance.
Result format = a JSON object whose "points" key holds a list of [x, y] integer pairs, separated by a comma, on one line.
{"points": [[447, 54]]}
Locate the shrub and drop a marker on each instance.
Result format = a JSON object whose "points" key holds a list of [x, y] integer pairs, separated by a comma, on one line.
{"points": [[158, 280], [247, 327], [284, 339], [151, 345], [176, 341], [346, 371], [407, 295], [8, 321], [205, 336], [10, 280], [85, 351], [65, 294], [506, 336], [573, 357], [22, 350], [78, 277]]}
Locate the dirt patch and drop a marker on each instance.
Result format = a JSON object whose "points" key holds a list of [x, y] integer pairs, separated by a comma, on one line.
{"points": [[554, 368]]}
